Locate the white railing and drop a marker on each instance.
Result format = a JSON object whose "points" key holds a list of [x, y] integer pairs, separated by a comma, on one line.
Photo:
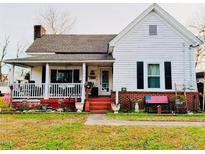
{"points": [[56, 90], [64, 90], [28, 90]]}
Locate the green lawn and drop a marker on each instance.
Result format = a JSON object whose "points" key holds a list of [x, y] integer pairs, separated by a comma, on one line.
{"points": [[155, 117], [67, 131]]}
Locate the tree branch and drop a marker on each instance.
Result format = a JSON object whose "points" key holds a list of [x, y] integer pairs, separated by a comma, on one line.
{"points": [[55, 22]]}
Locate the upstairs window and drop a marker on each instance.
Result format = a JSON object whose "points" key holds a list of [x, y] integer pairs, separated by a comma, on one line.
{"points": [[152, 29]]}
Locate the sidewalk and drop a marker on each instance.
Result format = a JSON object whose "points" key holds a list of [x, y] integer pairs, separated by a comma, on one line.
{"points": [[100, 119]]}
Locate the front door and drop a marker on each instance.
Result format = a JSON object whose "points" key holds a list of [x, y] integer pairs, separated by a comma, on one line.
{"points": [[105, 81]]}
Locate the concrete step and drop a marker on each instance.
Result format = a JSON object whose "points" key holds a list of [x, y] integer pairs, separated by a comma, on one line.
{"points": [[99, 111]]}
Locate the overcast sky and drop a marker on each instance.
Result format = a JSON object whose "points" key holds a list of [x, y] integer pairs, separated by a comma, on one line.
{"points": [[17, 20]]}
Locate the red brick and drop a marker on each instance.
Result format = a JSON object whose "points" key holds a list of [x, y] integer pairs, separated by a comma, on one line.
{"points": [[140, 95]]}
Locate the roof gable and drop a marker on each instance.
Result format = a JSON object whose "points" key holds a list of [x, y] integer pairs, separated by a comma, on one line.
{"points": [[167, 17]]}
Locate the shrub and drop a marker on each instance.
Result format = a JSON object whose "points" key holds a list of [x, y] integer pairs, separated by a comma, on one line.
{"points": [[181, 98]]}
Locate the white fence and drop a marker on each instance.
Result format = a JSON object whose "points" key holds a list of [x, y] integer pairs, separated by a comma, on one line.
{"points": [[56, 90]]}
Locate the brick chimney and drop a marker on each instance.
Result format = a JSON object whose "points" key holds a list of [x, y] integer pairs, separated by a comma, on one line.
{"points": [[39, 31]]}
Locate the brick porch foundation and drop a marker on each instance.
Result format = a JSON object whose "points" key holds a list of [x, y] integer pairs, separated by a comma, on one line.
{"points": [[192, 97]]}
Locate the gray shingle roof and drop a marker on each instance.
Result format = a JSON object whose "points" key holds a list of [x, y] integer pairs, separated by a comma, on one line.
{"points": [[62, 58], [71, 44]]}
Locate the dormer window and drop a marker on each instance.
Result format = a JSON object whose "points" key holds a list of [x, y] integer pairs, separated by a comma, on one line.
{"points": [[152, 29]]}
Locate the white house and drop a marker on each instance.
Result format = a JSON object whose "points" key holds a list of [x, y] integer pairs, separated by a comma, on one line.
{"points": [[152, 56]]}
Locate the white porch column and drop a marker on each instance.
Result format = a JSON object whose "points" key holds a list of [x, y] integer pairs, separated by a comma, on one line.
{"points": [[83, 82], [11, 75], [116, 97], [46, 96]]}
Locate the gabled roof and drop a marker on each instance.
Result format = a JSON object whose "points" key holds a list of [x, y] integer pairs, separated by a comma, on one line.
{"points": [[167, 17], [71, 44]]}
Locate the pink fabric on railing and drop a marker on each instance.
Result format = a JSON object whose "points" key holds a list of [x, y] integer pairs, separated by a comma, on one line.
{"points": [[156, 100], [7, 97]]}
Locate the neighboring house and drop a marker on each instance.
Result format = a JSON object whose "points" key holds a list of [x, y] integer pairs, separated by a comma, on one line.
{"points": [[152, 56]]}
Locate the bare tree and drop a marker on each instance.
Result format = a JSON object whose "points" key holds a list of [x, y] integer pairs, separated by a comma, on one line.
{"points": [[20, 50], [3, 54], [56, 22], [199, 26]]}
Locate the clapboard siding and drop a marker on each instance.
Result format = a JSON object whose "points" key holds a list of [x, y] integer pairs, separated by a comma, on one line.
{"points": [[137, 45]]}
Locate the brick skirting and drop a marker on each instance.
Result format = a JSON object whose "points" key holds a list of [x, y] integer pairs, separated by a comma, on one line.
{"points": [[192, 97]]}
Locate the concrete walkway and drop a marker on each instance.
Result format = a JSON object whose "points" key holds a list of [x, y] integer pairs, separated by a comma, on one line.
{"points": [[100, 119]]}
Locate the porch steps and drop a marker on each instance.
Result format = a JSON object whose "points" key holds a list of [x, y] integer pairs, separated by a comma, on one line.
{"points": [[98, 105], [99, 111]]}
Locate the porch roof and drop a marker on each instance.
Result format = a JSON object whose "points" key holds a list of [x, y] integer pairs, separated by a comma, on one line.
{"points": [[71, 44], [62, 58]]}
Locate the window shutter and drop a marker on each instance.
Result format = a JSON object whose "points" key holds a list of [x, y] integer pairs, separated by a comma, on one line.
{"points": [[53, 76], [168, 75], [140, 75], [43, 74], [76, 76]]}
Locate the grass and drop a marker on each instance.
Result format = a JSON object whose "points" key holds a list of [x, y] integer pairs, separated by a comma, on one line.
{"points": [[155, 117], [67, 131]]}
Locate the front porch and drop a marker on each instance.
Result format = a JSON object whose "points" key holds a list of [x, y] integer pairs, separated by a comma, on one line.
{"points": [[52, 81]]}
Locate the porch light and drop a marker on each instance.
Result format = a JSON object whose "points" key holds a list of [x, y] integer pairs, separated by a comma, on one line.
{"points": [[123, 89]]}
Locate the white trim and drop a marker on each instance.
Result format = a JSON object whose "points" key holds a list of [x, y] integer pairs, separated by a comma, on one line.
{"points": [[161, 12], [83, 82], [11, 75], [109, 69], [46, 96], [66, 61], [162, 79], [53, 67], [117, 97], [159, 76], [40, 53]]}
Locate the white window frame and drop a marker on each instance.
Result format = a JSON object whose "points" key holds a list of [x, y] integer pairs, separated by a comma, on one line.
{"points": [[153, 75], [67, 68], [162, 84], [72, 70]]}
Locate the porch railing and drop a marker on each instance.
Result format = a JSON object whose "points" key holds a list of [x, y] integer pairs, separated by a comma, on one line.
{"points": [[56, 90], [28, 90], [61, 90]]}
